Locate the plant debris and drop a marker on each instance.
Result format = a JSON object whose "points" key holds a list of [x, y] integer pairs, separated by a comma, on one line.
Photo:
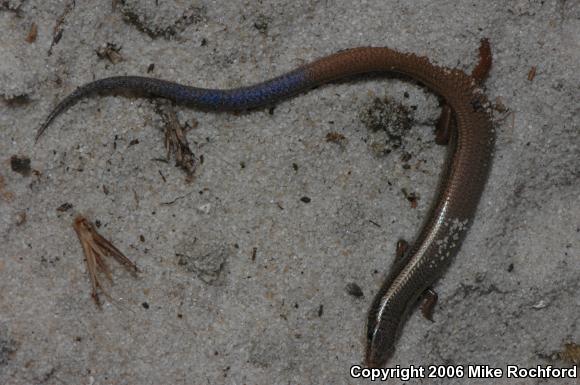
{"points": [[20, 218], [354, 290], [532, 73], [7, 195], [388, 121], [412, 197], [20, 164], [64, 207], [32, 33], [570, 354], [336, 137], [176, 142], [110, 51], [96, 248], [58, 27], [167, 19]]}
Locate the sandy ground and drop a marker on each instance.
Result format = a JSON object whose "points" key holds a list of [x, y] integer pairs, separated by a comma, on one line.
{"points": [[243, 280]]}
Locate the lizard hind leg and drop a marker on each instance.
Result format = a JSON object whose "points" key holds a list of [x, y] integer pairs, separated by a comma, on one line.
{"points": [[402, 247], [429, 297], [428, 303]]}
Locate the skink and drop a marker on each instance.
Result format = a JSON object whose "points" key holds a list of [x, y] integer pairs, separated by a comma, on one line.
{"points": [[471, 143]]}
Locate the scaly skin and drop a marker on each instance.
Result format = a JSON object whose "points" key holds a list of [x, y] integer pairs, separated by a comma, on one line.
{"points": [[469, 160]]}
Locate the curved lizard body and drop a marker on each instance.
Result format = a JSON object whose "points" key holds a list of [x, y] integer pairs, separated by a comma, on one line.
{"points": [[469, 160]]}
